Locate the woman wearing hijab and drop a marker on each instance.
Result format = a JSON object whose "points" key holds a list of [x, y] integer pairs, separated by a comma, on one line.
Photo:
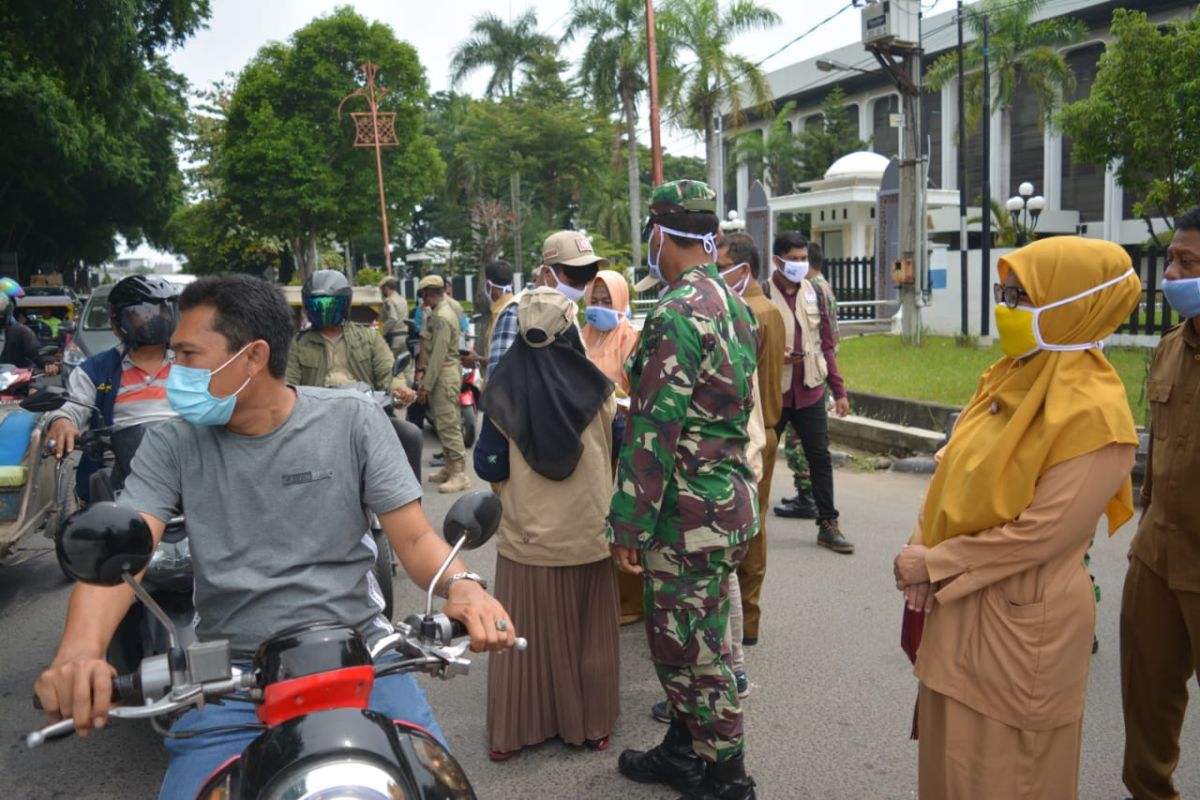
{"points": [[995, 568], [610, 339], [546, 442]]}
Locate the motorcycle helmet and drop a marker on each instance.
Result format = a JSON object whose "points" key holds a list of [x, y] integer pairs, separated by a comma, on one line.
{"points": [[6, 309], [326, 298], [11, 288], [144, 309]]}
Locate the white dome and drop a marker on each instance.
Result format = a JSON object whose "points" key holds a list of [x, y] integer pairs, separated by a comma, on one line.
{"points": [[863, 164]]}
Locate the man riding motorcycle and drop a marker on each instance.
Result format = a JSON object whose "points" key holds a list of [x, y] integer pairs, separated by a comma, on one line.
{"points": [[278, 481], [19, 345], [335, 352], [128, 383]]}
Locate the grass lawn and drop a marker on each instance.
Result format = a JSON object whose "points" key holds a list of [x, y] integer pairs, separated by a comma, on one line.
{"points": [[940, 371]]}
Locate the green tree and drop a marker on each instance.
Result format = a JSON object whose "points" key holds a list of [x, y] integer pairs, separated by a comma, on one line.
{"points": [[288, 163], [506, 49], [781, 151], [825, 142], [1020, 52], [92, 114], [613, 68], [1143, 113], [715, 78]]}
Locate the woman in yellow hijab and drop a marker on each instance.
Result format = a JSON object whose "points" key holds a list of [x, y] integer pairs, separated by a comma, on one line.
{"points": [[1042, 451]]}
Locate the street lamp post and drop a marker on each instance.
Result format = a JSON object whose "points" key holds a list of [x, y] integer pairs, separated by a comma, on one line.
{"points": [[376, 129], [1025, 210]]}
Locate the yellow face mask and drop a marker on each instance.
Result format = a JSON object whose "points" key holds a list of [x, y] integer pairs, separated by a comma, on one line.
{"points": [[1018, 337]]}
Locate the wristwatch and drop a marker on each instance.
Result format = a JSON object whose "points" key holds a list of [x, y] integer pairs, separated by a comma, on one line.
{"points": [[459, 576]]}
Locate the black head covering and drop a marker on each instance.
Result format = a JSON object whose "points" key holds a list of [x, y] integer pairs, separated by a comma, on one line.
{"points": [[545, 391]]}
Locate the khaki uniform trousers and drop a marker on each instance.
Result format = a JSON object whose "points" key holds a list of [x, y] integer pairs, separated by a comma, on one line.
{"points": [[753, 568], [447, 415], [1160, 651]]}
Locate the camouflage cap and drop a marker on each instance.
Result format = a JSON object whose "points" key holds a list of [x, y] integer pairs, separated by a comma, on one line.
{"points": [[682, 196]]}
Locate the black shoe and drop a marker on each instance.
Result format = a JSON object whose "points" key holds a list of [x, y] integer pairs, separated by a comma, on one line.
{"points": [[791, 501], [802, 506], [672, 763], [749, 641], [829, 535], [724, 780]]}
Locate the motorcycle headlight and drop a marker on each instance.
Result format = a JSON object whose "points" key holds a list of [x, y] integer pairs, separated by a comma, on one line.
{"points": [[344, 779], [172, 557]]}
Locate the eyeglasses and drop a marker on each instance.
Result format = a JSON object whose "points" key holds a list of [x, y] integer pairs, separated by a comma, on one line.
{"points": [[1009, 295]]}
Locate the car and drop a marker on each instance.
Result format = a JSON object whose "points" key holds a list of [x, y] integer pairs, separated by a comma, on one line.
{"points": [[94, 334]]}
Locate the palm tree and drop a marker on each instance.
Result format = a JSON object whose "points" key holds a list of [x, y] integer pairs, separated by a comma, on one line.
{"points": [[717, 79], [1019, 53], [780, 152], [505, 48], [613, 69]]}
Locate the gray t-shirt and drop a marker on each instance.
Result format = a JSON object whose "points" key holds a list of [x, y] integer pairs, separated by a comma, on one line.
{"points": [[278, 524]]}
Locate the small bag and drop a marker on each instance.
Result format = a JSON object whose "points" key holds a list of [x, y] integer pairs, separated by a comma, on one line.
{"points": [[911, 628]]}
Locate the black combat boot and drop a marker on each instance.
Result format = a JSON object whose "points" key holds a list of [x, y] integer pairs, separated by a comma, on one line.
{"points": [[673, 762], [802, 506], [724, 780]]}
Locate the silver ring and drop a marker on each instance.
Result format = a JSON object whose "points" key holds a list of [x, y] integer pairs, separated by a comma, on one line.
{"points": [[501, 625]]}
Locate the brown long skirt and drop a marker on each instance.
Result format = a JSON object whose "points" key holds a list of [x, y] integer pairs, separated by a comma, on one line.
{"points": [[964, 754], [566, 683]]}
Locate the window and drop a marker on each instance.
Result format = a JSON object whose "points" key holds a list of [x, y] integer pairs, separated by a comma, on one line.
{"points": [[885, 139], [931, 133], [1027, 142], [1082, 184]]}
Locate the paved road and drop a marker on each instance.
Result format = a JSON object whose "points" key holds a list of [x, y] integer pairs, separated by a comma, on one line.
{"points": [[828, 717]]}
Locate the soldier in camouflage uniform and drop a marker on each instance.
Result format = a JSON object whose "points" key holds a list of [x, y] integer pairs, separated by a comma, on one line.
{"points": [[802, 505], [684, 506]]}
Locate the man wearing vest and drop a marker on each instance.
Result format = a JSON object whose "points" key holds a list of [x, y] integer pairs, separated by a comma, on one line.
{"points": [[127, 383], [809, 364]]}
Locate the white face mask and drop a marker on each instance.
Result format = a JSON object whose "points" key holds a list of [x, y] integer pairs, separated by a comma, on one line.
{"points": [[502, 289], [655, 262], [565, 289], [794, 271], [741, 285], [1042, 344]]}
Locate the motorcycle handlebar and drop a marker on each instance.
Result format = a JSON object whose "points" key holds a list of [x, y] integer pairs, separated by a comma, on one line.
{"points": [[126, 689], [459, 630]]}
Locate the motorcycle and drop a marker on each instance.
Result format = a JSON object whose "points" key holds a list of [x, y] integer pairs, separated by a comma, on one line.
{"points": [[168, 577], [311, 682]]}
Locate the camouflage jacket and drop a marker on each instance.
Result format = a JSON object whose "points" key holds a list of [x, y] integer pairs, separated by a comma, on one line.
{"points": [[683, 480]]}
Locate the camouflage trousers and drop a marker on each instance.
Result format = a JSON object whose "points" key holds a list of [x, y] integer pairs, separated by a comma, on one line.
{"points": [[686, 600], [796, 461]]}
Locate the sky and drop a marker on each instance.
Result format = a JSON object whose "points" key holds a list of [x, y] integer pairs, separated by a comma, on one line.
{"points": [[237, 28]]}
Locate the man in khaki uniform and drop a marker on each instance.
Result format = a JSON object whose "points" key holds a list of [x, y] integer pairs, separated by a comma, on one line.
{"points": [[739, 262], [438, 382], [392, 315], [1160, 607]]}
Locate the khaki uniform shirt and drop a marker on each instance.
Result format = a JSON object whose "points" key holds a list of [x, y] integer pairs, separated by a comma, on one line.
{"points": [[439, 332], [770, 353], [1168, 538]]}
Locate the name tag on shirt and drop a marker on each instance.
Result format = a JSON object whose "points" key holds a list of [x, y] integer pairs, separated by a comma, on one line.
{"points": [[307, 477]]}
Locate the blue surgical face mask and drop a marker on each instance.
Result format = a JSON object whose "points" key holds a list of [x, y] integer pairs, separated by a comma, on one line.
{"points": [[188, 394], [1183, 295], [602, 318]]}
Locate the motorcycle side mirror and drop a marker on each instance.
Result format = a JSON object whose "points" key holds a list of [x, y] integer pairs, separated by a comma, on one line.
{"points": [[402, 363], [103, 543], [49, 398], [474, 517], [469, 523]]}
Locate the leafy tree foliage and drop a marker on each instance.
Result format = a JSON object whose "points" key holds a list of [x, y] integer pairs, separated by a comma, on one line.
{"points": [[92, 116], [288, 163], [1143, 113]]}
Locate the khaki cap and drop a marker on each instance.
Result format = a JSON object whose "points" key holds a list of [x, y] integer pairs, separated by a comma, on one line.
{"points": [[542, 314], [570, 249], [431, 282]]}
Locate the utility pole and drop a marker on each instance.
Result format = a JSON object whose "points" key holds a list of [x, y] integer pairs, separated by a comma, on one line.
{"points": [[962, 185], [656, 164], [985, 269], [908, 270]]}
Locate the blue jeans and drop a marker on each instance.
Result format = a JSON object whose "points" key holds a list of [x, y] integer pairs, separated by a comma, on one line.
{"points": [[191, 761]]}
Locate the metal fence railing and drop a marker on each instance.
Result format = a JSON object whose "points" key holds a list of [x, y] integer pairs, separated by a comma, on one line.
{"points": [[1152, 316]]}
